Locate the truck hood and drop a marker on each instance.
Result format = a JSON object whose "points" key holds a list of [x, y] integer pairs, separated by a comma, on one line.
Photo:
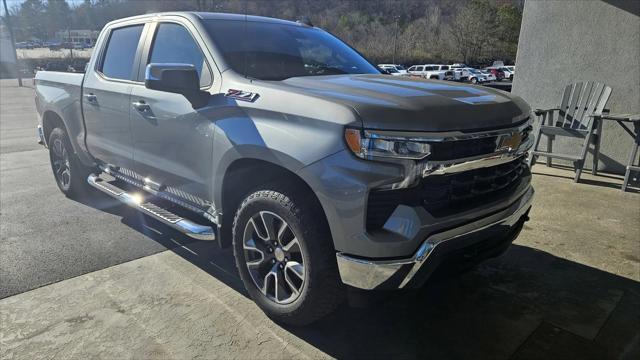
{"points": [[407, 104]]}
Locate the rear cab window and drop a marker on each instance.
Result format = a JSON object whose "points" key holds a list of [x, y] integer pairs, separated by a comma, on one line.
{"points": [[120, 52]]}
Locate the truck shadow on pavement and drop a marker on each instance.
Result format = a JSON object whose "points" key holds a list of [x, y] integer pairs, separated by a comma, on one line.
{"points": [[524, 304]]}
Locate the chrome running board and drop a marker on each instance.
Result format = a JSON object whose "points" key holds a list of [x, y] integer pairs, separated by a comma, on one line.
{"points": [[137, 201]]}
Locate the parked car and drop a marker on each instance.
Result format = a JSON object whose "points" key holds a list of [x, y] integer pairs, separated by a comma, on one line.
{"points": [[450, 73], [430, 71], [24, 45], [317, 170], [394, 69], [499, 74], [476, 76], [461, 71], [489, 75], [509, 71], [53, 45]]}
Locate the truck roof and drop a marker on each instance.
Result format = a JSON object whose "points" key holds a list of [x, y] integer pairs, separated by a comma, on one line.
{"points": [[193, 15]]}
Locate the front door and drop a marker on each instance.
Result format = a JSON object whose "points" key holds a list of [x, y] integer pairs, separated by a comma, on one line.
{"points": [[106, 97], [173, 143]]}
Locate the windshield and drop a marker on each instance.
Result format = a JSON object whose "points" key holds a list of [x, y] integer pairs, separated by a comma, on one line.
{"points": [[269, 51]]}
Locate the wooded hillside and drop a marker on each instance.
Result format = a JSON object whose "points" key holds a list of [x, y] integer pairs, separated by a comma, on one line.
{"points": [[406, 32]]}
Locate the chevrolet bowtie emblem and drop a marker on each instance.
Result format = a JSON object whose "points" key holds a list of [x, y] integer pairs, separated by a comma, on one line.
{"points": [[510, 142]]}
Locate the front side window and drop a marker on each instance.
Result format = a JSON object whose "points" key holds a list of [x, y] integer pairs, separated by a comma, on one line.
{"points": [[276, 51], [174, 44], [121, 52]]}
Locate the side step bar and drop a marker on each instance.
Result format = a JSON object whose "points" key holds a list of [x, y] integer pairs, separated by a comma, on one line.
{"points": [[136, 201]]}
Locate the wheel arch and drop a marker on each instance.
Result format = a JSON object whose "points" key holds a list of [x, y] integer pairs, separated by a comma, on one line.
{"points": [[245, 175], [50, 121]]}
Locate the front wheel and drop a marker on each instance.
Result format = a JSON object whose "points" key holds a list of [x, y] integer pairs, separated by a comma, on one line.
{"points": [[285, 257]]}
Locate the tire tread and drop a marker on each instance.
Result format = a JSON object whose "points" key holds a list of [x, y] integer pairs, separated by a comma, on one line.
{"points": [[328, 285]]}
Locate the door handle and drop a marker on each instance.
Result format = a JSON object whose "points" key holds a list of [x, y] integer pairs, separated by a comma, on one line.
{"points": [[140, 105], [91, 98]]}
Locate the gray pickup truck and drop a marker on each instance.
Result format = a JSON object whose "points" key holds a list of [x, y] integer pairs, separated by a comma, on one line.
{"points": [[280, 140]]}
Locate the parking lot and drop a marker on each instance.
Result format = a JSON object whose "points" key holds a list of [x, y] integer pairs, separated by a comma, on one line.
{"points": [[96, 280]]}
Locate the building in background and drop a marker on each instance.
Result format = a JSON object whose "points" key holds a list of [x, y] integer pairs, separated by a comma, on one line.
{"points": [[563, 42], [84, 38]]}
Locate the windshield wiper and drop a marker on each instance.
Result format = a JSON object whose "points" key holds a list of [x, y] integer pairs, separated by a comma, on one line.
{"points": [[323, 70]]}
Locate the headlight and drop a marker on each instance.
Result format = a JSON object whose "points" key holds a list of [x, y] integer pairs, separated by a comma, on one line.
{"points": [[377, 146]]}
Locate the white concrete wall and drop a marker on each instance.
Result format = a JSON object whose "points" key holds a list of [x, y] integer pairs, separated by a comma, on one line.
{"points": [[567, 41]]}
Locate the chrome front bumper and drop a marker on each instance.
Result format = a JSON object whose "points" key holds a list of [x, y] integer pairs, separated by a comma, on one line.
{"points": [[401, 273]]}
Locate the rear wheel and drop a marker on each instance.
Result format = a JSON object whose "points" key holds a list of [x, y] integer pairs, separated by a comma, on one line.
{"points": [[68, 171], [285, 257], [474, 80]]}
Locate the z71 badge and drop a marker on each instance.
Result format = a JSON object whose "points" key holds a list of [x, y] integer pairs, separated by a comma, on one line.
{"points": [[241, 95]]}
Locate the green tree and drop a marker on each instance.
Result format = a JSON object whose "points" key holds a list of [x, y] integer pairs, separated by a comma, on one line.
{"points": [[31, 17], [475, 30], [57, 15], [509, 18]]}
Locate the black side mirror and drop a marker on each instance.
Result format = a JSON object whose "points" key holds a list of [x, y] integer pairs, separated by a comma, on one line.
{"points": [[176, 78]]}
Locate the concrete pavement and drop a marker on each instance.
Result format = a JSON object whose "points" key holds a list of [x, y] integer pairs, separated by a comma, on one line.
{"points": [[92, 281], [45, 236]]}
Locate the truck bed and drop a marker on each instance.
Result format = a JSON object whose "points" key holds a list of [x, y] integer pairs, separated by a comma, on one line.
{"points": [[60, 93]]}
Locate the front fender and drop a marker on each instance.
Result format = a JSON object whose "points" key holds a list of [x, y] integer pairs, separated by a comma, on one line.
{"points": [[289, 141]]}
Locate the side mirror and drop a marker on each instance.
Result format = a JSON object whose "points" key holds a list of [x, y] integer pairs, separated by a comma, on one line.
{"points": [[176, 78]]}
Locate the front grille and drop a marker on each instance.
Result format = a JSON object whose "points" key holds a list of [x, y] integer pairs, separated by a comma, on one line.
{"points": [[443, 195], [447, 150]]}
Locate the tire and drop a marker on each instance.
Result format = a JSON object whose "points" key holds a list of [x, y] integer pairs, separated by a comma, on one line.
{"points": [[474, 80], [319, 290], [70, 174]]}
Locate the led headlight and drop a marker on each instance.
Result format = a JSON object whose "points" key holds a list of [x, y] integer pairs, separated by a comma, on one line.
{"points": [[368, 147]]}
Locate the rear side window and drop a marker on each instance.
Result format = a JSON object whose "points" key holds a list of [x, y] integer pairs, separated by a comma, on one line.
{"points": [[174, 44], [121, 52]]}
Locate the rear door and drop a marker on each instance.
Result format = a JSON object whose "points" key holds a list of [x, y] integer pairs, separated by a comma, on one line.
{"points": [[173, 142], [106, 95]]}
